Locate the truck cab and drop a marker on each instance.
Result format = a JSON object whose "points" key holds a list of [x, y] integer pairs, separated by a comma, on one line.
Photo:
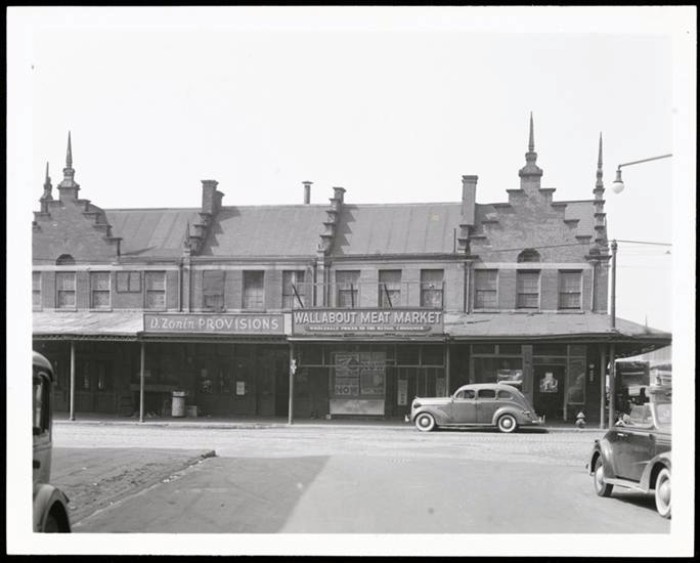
{"points": [[50, 513]]}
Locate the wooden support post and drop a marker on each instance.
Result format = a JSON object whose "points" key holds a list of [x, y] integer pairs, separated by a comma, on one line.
{"points": [[142, 382], [72, 380]]}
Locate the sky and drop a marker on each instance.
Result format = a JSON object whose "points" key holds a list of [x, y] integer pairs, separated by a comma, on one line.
{"points": [[393, 104]]}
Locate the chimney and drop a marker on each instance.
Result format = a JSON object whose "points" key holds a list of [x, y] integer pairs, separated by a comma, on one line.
{"points": [[469, 199], [210, 200], [307, 192]]}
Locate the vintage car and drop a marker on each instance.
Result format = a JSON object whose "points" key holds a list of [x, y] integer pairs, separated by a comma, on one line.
{"points": [[481, 404], [50, 504], [636, 452]]}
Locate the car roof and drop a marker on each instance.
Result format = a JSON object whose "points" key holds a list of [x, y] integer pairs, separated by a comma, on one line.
{"points": [[40, 361], [477, 386]]}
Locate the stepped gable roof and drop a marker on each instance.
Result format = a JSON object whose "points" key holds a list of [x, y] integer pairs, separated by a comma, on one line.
{"points": [[412, 228], [266, 230], [151, 232]]}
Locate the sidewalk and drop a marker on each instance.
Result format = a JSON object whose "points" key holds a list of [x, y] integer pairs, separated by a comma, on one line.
{"points": [[267, 422]]}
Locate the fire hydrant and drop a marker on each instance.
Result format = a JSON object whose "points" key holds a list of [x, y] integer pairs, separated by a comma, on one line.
{"points": [[580, 420]]}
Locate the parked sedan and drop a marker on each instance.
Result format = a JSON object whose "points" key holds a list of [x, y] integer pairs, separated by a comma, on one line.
{"points": [[636, 452], [485, 404]]}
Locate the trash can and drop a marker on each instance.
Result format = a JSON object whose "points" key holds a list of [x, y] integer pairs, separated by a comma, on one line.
{"points": [[179, 403]]}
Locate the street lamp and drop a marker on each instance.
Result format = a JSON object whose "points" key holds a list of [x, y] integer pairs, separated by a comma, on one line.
{"points": [[618, 185]]}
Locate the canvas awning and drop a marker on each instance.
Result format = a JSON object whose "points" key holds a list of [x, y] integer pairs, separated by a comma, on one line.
{"points": [[87, 324]]}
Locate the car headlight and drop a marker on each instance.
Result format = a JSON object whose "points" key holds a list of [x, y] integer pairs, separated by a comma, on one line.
{"points": [[416, 404]]}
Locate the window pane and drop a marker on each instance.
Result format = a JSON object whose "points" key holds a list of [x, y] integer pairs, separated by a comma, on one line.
{"points": [[65, 281], [155, 281], [347, 287], [36, 289], [431, 288], [528, 290], [389, 288], [293, 289], [155, 290]]}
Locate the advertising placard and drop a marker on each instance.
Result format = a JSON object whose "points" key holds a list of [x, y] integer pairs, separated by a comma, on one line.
{"points": [[370, 321], [211, 323]]}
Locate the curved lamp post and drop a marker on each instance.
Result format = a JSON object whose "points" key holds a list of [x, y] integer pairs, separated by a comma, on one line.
{"points": [[617, 186]]}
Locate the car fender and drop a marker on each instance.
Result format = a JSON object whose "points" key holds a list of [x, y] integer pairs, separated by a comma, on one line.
{"points": [[438, 412], [48, 498], [603, 449], [507, 409], [652, 470]]}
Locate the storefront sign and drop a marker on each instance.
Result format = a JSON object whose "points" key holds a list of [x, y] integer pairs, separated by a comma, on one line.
{"points": [[346, 321], [188, 323]]}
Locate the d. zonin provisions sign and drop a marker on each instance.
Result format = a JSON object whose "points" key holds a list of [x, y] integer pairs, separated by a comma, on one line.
{"points": [[344, 321], [187, 323]]}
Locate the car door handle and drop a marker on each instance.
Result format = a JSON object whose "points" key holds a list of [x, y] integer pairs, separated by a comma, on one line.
{"points": [[621, 434]]}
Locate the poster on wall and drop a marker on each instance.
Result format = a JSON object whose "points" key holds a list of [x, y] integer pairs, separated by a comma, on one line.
{"points": [[402, 392], [347, 375], [440, 387], [548, 384], [240, 387], [358, 383]]}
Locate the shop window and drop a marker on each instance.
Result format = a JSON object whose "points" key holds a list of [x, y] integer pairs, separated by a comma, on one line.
{"points": [[155, 290], [65, 290], [528, 289], [431, 284], [253, 290], [514, 349], [484, 348], [407, 354], [569, 290], [347, 287], [99, 290], [213, 289], [432, 356], [293, 289], [389, 288], [128, 282], [36, 290], [485, 296], [498, 370]]}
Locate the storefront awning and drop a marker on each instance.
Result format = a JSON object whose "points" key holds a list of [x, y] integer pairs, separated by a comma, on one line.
{"points": [[548, 326], [82, 324]]}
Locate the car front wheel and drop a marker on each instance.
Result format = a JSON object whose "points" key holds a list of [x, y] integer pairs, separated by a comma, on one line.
{"points": [[602, 489], [662, 493], [425, 422], [507, 423]]}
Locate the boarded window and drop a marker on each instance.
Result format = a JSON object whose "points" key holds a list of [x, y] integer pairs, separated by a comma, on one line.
{"points": [[253, 290], [389, 288], [128, 282], [294, 289], [65, 290], [528, 288], [213, 289], [569, 290], [431, 287], [485, 283], [347, 287], [155, 290], [36, 290], [99, 290]]}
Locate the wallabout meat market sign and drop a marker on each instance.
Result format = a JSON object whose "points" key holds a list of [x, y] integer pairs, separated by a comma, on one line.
{"points": [[385, 321]]}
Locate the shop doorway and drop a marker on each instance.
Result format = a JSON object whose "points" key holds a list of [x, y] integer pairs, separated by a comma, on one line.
{"points": [[549, 391]]}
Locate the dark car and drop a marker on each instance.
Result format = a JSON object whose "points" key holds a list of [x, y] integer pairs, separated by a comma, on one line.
{"points": [[50, 503], [636, 452], [480, 404]]}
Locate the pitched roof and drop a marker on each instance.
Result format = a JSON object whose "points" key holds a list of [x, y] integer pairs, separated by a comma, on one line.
{"points": [[266, 230], [416, 228], [151, 232]]}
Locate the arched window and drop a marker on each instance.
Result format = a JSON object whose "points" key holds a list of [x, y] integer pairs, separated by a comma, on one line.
{"points": [[65, 260], [529, 255]]}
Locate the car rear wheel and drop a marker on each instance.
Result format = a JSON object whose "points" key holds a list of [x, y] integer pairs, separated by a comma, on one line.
{"points": [[602, 489], [507, 423], [425, 422], [662, 493]]}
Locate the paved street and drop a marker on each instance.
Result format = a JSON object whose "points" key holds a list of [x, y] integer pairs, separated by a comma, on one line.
{"points": [[347, 478]]}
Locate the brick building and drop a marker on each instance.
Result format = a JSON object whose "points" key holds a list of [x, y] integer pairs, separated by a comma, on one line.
{"points": [[371, 304]]}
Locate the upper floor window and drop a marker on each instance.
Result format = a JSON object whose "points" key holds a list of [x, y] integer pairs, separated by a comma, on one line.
{"points": [[128, 282], [253, 290], [389, 288], [347, 282], [528, 289], [485, 289], [155, 290], [65, 290], [65, 260], [213, 289], [99, 290], [431, 287], [529, 255], [569, 290], [36, 290], [293, 289]]}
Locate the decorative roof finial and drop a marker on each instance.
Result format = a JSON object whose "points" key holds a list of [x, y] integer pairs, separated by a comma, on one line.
{"points": [[599, 187], [531, 144], [531, 168], [69, 154], [47, 186]]}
